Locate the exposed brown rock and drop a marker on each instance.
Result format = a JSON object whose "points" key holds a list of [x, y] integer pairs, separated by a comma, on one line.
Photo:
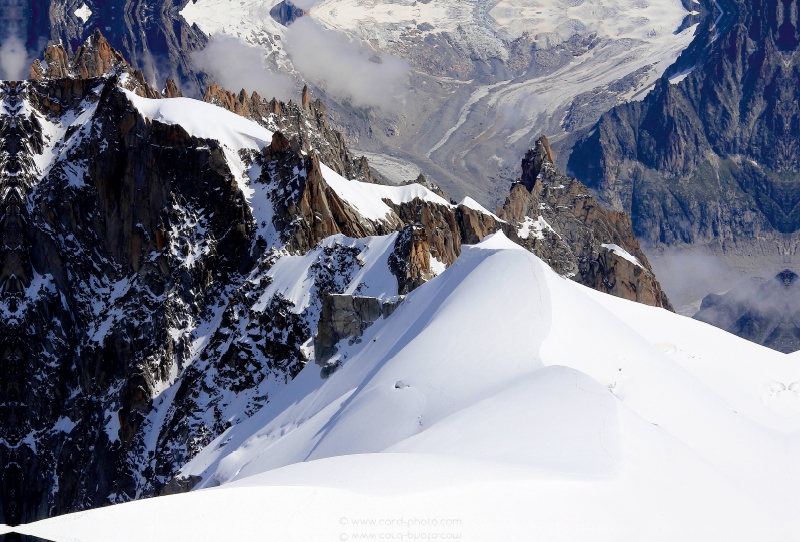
{"points": [[56, 63], [574, 229], [171, 89], [439, 223], [311, 210], [410, 261], [95, 58], [474, 225], [305, 121]]}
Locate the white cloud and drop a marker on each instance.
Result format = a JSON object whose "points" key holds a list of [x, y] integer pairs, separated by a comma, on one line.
{"points": [[14, 61], [346, 69], [237, 65]]}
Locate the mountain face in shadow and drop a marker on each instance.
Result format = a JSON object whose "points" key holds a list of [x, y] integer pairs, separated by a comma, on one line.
{"points": [[712, 155], [150, 33], [765, 312]]}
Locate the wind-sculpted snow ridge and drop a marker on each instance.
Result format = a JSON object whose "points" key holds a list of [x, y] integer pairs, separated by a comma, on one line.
{"points": [[475, 405]]}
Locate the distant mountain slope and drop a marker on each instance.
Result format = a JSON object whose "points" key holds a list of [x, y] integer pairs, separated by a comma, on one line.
{"points": [[711, 156], [763, 311], [486, 77]]}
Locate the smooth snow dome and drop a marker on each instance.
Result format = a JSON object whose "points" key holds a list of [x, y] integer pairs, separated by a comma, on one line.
{"points": [[508, 403]]}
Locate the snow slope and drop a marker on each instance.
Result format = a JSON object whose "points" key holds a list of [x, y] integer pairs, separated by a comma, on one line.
{"points": [[368, 198], [502, 402]]}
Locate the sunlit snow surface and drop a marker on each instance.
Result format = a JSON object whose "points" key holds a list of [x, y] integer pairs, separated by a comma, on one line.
{"points": [[515, 404]]}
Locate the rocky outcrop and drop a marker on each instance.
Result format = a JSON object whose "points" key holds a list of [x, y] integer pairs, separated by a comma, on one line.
{"points": [[556, 218], [286, 13], [310, 210], [423, 181], [762, 311], [171, 89], [94, 59], [714, 157], [346, 317], [410, 260], [305, 121]]}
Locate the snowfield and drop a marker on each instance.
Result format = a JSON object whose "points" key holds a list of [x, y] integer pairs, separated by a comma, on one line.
{"points": [[501, 402]]}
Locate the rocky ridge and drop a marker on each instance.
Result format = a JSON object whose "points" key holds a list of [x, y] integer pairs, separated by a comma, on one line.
{"points": [[560, 221], [169, 283], [306, 122]]}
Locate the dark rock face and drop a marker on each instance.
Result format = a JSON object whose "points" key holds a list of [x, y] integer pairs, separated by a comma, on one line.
{"points": [[764, 312], [286, 13], [715, 156], [100, 221], [346, 317]]}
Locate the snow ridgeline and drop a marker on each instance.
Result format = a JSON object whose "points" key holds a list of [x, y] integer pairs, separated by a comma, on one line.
{"points": [[501, 401], [237, 133]]}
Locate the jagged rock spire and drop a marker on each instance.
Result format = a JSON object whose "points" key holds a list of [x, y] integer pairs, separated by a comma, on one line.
{"points": [[94, 58], [534, 161], [171, 89]]}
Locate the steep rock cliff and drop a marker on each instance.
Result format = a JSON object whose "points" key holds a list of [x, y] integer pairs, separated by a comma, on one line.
{"points": [[712, 156]]}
